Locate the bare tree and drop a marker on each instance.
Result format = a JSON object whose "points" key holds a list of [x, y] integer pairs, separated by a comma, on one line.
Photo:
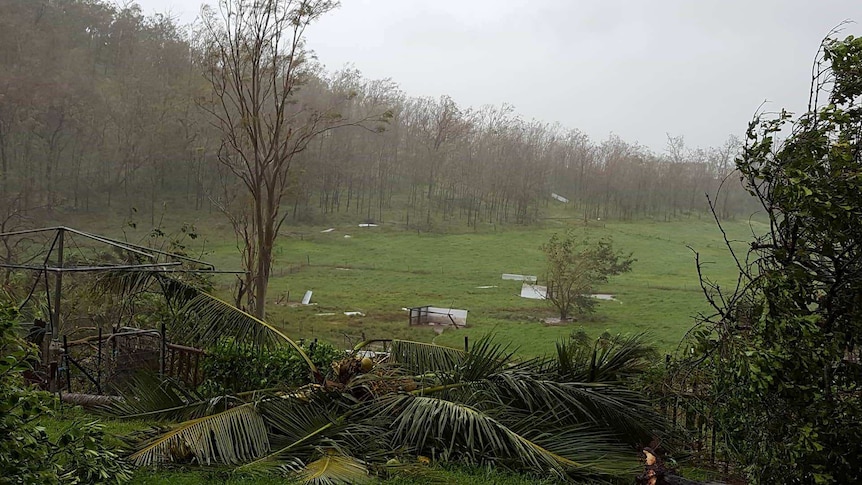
{"points": [[256, 63]]}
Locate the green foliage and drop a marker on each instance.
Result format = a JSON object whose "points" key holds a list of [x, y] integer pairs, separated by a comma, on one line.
{"points": [[782, 352], [233, 367], [576, 266], [27, 455], [479, 407]]}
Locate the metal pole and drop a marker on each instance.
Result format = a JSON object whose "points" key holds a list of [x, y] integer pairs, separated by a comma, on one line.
{"points": [[67, 364], [58, 288]]}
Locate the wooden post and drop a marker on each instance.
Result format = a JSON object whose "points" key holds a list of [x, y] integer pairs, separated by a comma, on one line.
{"points": [[162, 348], [98, 360]]}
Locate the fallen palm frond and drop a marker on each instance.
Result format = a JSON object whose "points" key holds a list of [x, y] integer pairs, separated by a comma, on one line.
{"points": [[146, 396], [477, 407], [419, 358], [210, 319], [230, 437], [201, 319], [334, 468], [426, 423]]}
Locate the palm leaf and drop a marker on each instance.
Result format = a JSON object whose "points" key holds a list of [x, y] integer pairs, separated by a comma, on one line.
{"points": [[600, 451], [607, 359], [210, 319], [146, 396], [427, 423], [334, 469], [485, 358], [297, 427], [623, 411], [229, 437], [418, 358]]}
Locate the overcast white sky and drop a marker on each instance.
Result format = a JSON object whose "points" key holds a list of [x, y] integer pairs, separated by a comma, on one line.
{"points": [[634, 68]]}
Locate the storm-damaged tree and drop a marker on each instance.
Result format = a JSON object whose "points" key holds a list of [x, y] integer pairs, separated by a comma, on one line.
{"points": [[255, 60], [783, 349], [575, 267]]}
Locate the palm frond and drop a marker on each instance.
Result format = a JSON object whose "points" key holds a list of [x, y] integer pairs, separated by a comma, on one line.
{"points": [[126, 282], [426, 423], [334, 468], [485, 358], [600, 451], [623, 411], [297, 427], [607, 359], [210, 319], [229, 437], [419, 358], [146, 396]]}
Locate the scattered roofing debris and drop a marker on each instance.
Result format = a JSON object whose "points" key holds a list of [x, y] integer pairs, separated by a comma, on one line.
{"points": [[560, 198], [534, 292], [486, 287], [347, 236], [328, 230], [354, 314], [519, 277], [343, 269], [538, 292], [327, 314], [306, 299], [368, 225]]}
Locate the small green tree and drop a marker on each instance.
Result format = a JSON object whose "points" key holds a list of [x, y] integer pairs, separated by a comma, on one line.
{"points": [[575, 267], [783, 350]]}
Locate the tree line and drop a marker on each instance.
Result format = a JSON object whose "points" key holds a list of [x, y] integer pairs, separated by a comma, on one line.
{"points": [[103, 108]]}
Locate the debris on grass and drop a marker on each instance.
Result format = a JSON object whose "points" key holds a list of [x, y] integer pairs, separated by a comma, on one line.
{"points": [[534, 292], [519, 277]]}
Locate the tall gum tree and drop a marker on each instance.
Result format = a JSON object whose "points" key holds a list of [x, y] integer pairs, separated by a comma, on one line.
{"points": [[256, 62]]}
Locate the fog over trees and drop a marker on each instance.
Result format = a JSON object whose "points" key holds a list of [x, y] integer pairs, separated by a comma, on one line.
{"points": [[103, 109]]}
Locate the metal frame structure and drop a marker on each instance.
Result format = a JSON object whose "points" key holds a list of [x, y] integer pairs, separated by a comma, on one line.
{"points": [[56, 263]]}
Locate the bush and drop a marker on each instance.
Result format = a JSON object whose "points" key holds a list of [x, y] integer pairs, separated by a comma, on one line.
{"points": [[27, 454], [233, 367]]}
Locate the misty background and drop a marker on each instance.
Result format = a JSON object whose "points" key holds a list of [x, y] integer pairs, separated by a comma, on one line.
{"points": [[636, 69]]}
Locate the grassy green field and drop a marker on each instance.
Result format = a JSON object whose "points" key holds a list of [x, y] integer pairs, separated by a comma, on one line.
{"points": [[378, 271]]}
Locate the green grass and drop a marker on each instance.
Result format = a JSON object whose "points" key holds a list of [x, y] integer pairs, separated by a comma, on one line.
{"points": [[380, 270]]}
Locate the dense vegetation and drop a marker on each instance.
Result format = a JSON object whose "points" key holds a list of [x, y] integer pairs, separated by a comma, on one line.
{"points": [[779, 362], [80, 453], [105, 109]]}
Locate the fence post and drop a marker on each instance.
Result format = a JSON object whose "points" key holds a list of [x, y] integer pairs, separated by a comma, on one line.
{"points": [[99, 361], [162, 349], [66, 362]]}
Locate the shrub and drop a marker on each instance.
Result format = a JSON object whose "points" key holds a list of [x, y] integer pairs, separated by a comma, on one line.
{"points": [[233, 367]]}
